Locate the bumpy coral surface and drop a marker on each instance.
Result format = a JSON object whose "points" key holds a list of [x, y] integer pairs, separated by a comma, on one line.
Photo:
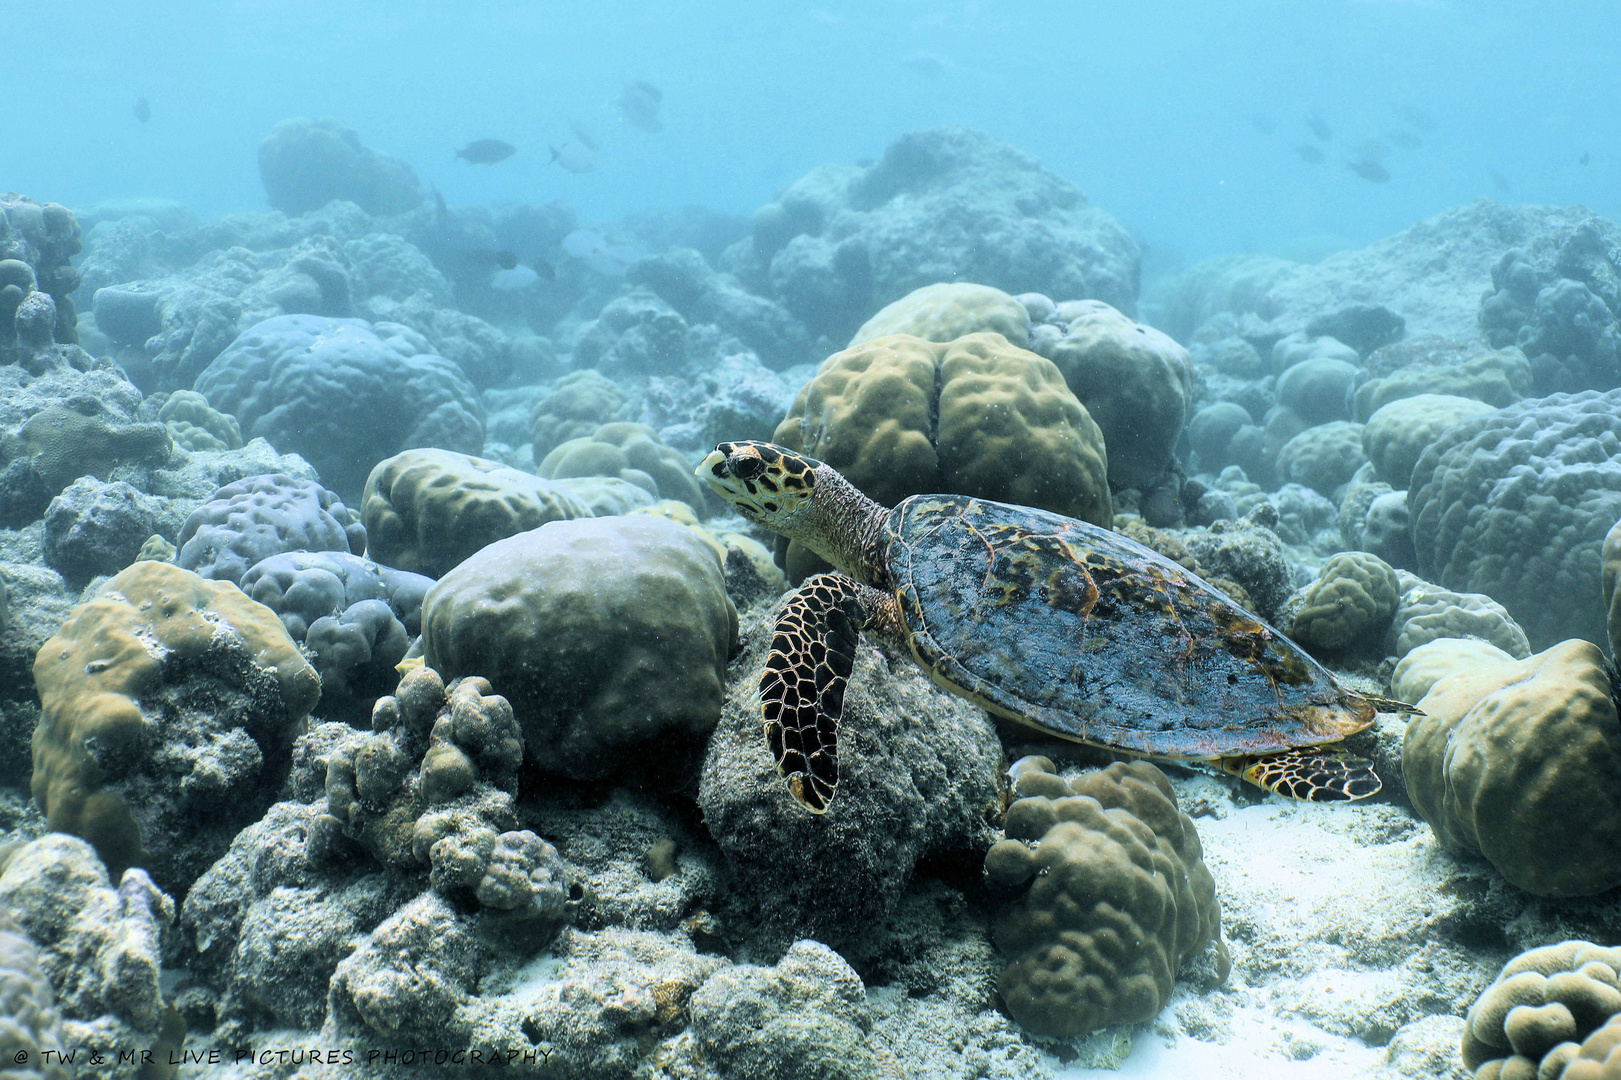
{"points": [[1349, 605], [1529, 1021], [1426, 612], [334, 392], [427, 510], [1610, 581], [1515, 504], [1118, 896], [37, 242], [900, 416], [194, 424], [947, 311], [170, 708], [256, 517], [1518, 760], [1397, 433], [1136, 382], [608, 635], [630, 452], [1322, 457], [355, 617], [579, 403], [1432, 365], [305, 164], [30, 1027], [94, 528]]}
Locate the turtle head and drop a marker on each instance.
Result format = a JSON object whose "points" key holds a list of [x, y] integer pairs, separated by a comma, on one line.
{"points": [[765, 482]]}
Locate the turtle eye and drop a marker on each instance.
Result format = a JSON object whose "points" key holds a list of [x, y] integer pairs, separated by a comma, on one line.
{"points": [[746, 467]]}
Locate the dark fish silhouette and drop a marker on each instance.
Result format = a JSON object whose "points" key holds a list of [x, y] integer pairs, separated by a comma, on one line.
{"points": [[584, 136], [486, 151], [485, 259], [639, 105], [1319, 127], [1309, 154], [1368, 169], [1584, 159], [1418, 118], [1501, 181], [142, 110], [927, 63]]}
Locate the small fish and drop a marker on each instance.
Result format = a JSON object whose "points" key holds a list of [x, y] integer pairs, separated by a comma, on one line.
{"points": [[1418, 118], [1585, 158], [1368, 170], [1501, 181], [574, 157], [486, 151], [1405, 139], [1310, 154], [594, 250], [1319, 127], [639, 105], [142, 110], [584, 136], [927, 63]]}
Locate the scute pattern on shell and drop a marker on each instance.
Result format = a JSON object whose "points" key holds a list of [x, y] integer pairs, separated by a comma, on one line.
{"points": [[1085, 634]]}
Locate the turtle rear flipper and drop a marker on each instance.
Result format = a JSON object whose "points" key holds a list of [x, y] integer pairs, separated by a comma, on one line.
{"points": [[1316, 774], [812, 653]]}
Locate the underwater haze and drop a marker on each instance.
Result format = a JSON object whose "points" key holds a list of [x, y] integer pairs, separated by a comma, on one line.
{"points": [[1179, 117], [756, 541]]}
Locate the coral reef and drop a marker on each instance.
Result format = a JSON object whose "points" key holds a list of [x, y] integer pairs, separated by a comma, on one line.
{"points": [[1322, 457], [334, 392], [425, 511], [1134, 381], [1444, 366], [948, 311], [1348, 608], [306, 163], [1507, 754], [1118, 897], [608, 635], [37, 242], [94, 528], [701, 295], [919, 777], [170, 704], [1398, 432], [1609, 576], [1315, 389], [194, 424], [1426, 612], [30, 1027], [1529, 1021], [630, 452], [899, 416], [578, 404], [256, 517], [843, 241], [1515, 504]]}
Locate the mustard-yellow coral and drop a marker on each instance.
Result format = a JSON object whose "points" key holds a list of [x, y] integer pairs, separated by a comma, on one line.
{"points": [[949, 311], [170, 705]]}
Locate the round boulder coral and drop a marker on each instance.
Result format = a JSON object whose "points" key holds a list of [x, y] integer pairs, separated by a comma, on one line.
{"points": [[1432, 365], [1349, 605], [194, 424], [949, 311], [631, 452], [1515, 504], [1117, 897], [1529, 1020], [1397, 433], [900, 416], [170, 705], [579, 403], [256, 517], [1323, 457], [1427, 612], [427, 510], [1518, 760], [1136, 382], [608, 635], [333, 392]]}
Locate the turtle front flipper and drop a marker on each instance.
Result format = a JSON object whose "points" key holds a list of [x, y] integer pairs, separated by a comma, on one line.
{"points": [[813, 650], [1316, 774]]}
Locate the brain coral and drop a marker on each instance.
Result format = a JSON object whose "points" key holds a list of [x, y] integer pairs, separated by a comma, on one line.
{"points": [[899, 416], [1426, 612], [260, 516], [579, 403], [1118, 897], [333, 392], [1515, 504], [194, 424], [1509, 754], [608, 635], [1350, 604], [170, 705], [949, 311], [631, 452], [1135, 382], [1528, 1021], [1397, 433], [1323, 457], [427, 510]]}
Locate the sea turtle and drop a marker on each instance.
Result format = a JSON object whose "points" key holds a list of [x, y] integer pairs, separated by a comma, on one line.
{"points": [[1039, 618]]}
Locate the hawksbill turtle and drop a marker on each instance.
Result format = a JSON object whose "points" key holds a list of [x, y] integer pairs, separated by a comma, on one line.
{"points": [[1058, 624]]}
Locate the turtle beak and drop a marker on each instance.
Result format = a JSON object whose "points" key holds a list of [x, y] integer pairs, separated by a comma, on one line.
{"points": [[711, 466]]}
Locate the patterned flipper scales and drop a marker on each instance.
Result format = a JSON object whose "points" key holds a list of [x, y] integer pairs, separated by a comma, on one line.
{"points": [[1316, 774], [802, 690]]}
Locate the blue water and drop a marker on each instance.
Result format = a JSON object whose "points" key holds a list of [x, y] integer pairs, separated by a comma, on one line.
{"points": [[1154, 108]]}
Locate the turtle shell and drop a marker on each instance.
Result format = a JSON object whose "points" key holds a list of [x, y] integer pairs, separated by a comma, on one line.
{"points": [[1089, 636]]}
